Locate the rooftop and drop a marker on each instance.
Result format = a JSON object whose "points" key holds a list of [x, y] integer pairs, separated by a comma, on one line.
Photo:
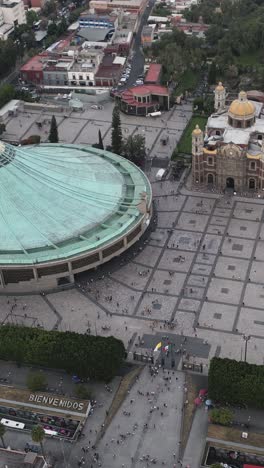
{"points": [[43, 190], [153, 74], [35, 63], [17, 459], [94, 34]]}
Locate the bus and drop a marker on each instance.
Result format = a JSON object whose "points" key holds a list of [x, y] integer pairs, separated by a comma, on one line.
{"points": [[12, 424]]}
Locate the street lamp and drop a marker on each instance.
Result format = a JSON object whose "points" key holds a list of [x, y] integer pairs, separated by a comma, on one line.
{"points": [[246, 338]]}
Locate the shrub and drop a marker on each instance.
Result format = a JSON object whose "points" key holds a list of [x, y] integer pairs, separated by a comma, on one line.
{"points": [[36, 381], [236, 382], [82, 392], [221, 416], [96, 357]]}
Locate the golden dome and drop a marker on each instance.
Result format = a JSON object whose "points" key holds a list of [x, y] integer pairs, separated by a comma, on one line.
{"points": [[241, 107], [220, 87], [197, 130]]}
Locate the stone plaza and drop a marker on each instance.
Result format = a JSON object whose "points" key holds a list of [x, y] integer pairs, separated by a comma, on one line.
{"points": [[200, 269], [194, 282]]}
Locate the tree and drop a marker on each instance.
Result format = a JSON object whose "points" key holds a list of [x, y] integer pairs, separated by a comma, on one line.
{"points": [[2, 433], [86, 356], [32, 17], [221, 416], [7, 92], [2, 128], [212, 73], [36, 381], [53, 135], [134, 149], [52, 29], [37, 435], [100, 140], [116, 131], [83, 392], [62, 27]]}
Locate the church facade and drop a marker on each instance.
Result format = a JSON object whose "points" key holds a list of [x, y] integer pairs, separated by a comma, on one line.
{"points": [[230, 153]]}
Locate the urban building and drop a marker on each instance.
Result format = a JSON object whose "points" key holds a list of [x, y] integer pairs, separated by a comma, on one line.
{"points": [[32, 71], [153, 74], [109, 71], [44, 240], [145, 99], [230, 154], [12, 13], [147, 35], [87, 20], [108, 6], [17, 458]]}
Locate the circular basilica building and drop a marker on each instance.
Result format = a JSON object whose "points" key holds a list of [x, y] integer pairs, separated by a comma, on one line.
{"points": [[65, 209]]}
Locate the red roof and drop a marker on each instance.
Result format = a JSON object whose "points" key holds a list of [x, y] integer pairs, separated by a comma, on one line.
{"points": [[35, 63], [252, 466], [153, 73], [129, 95]]}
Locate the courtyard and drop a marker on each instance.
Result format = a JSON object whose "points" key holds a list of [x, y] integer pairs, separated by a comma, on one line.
{"points": [[194, 283]]}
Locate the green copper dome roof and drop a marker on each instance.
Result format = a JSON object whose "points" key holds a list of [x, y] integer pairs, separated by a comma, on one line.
{"points": [[57, 201]]}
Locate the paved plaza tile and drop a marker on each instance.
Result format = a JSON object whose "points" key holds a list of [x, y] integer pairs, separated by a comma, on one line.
{"points": [[133, 275], [222, 212], [259, 253], [218, 221], [190, 305], [148, 256], [166, 220], [157, 306], [199, 205], [167, 282], [237, 247], [211, 244], [201, 269], [243, 228], [225, 291], [176, 260], [251, 320], [254, 296], [31, 311], [250, 211], [218, 316], [184, 240], [158, 237], [192, 222], [256, 272], [169, 204], [233, 268]]}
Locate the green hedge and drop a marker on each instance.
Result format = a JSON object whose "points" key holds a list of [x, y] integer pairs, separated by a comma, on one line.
{"points": [[236, 382], [87, 356]]}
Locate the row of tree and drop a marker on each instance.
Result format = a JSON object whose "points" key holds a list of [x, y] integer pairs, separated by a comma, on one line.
{"points": [[132, 148], [236, 382], [87, 356]]}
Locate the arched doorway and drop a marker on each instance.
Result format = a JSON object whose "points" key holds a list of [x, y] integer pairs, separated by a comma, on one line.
{"points": [[210, 179], [230, 183], [252, 184]]}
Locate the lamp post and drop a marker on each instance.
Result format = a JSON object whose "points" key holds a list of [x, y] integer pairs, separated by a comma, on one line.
{"points": [[246, 338]]}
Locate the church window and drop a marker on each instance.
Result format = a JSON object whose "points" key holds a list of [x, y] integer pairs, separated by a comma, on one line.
{"points": [[196, 149], [218, 132], [210, 179], [210, 161], [238, 124], [259, 137], [253, 165]]}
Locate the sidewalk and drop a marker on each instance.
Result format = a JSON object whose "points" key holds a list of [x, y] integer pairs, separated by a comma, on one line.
{"points": [[196, 442]]}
